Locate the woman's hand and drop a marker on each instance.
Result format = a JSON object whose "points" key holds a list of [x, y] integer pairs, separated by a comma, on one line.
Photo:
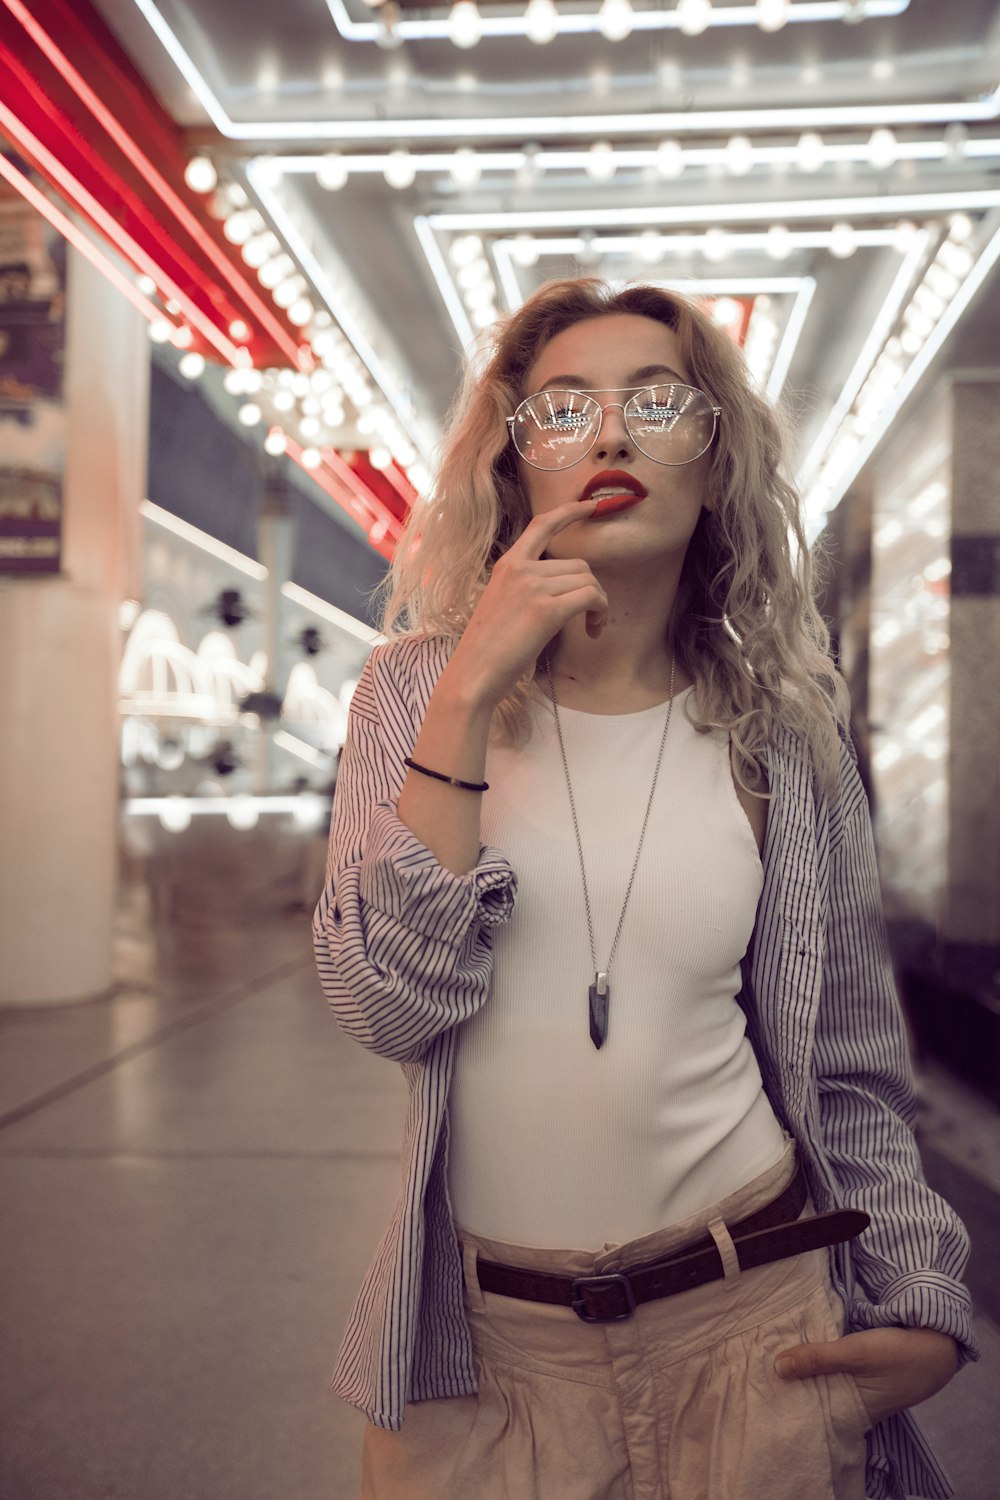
{"points": [[894, 1367], [527, 601]]}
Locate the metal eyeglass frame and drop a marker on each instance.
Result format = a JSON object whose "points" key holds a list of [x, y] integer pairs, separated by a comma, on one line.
{"points": [[623, 408]]}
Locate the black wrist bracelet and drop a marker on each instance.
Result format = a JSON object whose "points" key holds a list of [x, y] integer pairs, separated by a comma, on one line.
{"points": [[470, 786]]}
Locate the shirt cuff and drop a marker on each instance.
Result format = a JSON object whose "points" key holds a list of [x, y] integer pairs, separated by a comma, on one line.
{"points": [[923, 1299], [402, 878]]}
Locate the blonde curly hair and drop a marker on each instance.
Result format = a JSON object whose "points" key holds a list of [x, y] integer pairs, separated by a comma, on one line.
{"points": [[745, 626]]}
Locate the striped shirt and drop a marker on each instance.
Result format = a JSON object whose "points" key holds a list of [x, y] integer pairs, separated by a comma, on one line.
{"points": [[404, 949]]}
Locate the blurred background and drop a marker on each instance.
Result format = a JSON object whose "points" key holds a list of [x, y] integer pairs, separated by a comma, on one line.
{"points": [[244, 249]]}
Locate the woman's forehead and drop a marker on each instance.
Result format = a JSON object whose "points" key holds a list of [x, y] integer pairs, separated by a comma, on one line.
{"points": [[608, 351]]}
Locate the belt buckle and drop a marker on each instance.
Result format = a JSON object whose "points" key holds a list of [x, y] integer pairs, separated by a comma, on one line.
{"points": [[580, 1307]]}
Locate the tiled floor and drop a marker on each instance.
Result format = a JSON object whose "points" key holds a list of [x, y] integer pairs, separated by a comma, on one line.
{"points": [[193, 1176]]}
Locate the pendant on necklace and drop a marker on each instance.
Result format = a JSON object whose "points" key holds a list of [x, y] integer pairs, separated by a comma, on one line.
{"points": [[599, 995]]}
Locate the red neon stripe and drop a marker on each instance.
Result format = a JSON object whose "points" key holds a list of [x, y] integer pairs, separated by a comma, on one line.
{"points": [[138, 158], [84, 200], [77, 238]]}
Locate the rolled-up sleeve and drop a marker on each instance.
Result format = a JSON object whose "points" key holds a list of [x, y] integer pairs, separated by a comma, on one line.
{"points": [[403, 945], [910, 1261]]}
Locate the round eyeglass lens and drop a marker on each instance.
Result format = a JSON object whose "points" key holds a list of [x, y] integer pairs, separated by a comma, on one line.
{"points": [[556, 428], [673, 424]]}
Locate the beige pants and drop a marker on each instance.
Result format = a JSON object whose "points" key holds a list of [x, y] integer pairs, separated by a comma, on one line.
{"points": [[679, 1402]]}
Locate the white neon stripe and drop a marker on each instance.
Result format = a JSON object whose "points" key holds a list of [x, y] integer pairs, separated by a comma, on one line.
{"points": [[914, 371], [630, 244], [790, 338], [868, 353], [295, 746], [446, 286], [331, 613], [503, 259], [900, 206], [573, 23], [202, 539], [326, 286], [375, 162], [200, 806], [546, 126]]}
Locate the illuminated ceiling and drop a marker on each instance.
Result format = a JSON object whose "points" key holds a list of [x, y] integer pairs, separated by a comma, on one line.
{"points": [[835, 161]]}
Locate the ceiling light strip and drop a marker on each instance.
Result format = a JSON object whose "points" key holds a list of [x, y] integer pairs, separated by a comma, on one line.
{"points": [[331, 613], [87, 204], [915, 370], [133, 152], [675, 244], [202, 539], [76, 237], [901, 205], [790, 338], [502, 252], [546, 126], [808, 11], [445, 284], [375, 163], [879, 332], [336, 304]]}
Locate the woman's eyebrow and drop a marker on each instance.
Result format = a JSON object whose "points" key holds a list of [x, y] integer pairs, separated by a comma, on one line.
{"points": [[579, 382]]}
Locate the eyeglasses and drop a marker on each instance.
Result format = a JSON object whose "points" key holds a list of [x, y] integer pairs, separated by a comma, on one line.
{"points": [[671, 424]]}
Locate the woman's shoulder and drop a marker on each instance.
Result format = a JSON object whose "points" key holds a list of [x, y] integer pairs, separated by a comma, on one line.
{"points": [[406, 666]]}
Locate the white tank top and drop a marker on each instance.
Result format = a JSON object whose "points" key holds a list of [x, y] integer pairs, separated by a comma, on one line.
{"points": [[554, 1143]]}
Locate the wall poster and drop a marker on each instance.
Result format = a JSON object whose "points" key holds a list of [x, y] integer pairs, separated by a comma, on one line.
{"points": [[32, 414]]}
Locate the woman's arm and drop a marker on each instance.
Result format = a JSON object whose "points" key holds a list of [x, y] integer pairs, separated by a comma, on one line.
{"points": [[402, 942], [910, 1260]]}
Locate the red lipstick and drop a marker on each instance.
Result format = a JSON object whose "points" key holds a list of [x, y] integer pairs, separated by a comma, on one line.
{"points": [[623, 491]]}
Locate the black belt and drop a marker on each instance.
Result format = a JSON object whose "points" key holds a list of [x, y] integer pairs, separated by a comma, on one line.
{"points": [[772, 1233]]}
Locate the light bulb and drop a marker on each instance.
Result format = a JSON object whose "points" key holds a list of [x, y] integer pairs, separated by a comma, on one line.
{"points": [[300, 312], [379, 458], [778, 242], [175, 814], [882, 148], [191, 366], [466, 169], [466, 248], [465, 25], [200, 175], [250, 414], [615, 19], [256, 251], [541, 21], [716, 244], [809, 152], [399, 170], [693, 16], [311, 458], [331, 173], [601, 161], [524, 250], [275, 443], [843, 241], [670, 159], [772, 14], [650, 247], [739, 155], [161, 331], [242, 811]]}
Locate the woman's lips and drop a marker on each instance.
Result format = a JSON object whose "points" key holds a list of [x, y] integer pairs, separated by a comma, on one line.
{"points": [[612, 503]]}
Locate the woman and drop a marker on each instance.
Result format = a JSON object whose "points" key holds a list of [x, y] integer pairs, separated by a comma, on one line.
{"points": [[601, 879]]}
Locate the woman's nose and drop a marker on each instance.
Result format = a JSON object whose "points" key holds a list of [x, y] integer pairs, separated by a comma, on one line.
{"points": [[614, 436]]}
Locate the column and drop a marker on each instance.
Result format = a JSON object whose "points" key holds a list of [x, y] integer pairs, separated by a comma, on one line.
{"points": [[971, 928], [59, 747]]}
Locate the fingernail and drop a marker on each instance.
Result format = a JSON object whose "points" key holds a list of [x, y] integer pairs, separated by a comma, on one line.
{"points": [[783, 1365]]}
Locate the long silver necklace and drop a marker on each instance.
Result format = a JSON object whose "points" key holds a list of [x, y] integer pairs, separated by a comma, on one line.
{"points": [[599, 995]]}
